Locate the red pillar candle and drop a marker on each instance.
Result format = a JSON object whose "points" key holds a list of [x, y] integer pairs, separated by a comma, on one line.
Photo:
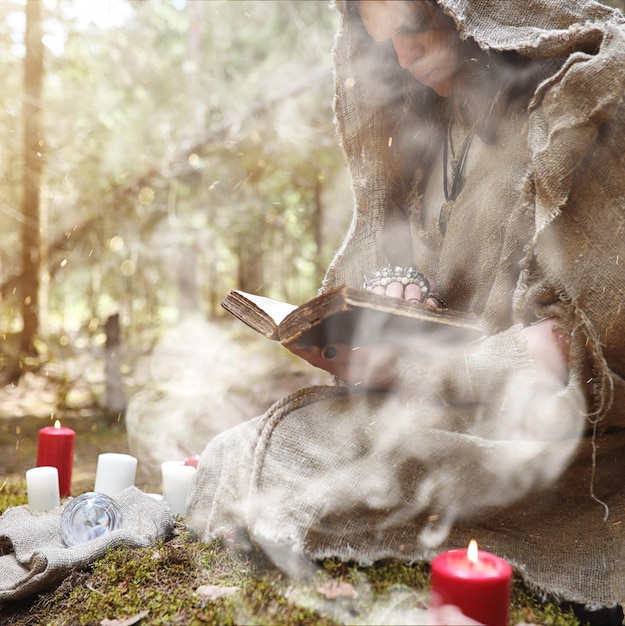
{"points": [[478, 583], [193, 461], [56, 449]]}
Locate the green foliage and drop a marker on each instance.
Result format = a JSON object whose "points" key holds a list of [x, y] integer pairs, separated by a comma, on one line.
{"points": [[12, 492], [163, 581], [526, 608]]}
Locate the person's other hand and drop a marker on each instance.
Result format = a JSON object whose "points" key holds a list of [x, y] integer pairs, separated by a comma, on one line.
{"points": [[368, 367], [548, 345]]}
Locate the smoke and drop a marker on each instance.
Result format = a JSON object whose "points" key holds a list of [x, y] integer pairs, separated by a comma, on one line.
{"points": [[189, 374], [401, 606], [201, 381], [479, 426], [361, 473]]}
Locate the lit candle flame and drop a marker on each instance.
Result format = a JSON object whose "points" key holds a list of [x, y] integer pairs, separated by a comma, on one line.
{"points": [[472, 551], [57, 424]]}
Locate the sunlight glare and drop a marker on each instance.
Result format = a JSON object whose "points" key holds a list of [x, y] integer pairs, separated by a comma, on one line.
{"points": [[104, 13]]}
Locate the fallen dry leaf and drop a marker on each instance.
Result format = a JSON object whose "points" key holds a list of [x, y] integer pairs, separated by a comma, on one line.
{"points": [[212, 592], [337, 589], [129, 621]]}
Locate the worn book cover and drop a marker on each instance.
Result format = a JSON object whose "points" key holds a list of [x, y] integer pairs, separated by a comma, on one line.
{"points": [[349, 316]]}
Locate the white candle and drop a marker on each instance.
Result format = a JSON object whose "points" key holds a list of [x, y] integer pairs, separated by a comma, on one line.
{"points": [[176, 482], [42, 484], [114, 473]]}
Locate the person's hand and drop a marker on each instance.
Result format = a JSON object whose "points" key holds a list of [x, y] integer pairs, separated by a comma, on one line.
{"points": [[409, 292], [369, 367], [405, 283], [374, 366], [548, 344]]}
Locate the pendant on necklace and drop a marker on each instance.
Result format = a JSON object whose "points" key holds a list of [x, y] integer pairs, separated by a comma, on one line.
{"points": [[454, 168], [444, 214], [456, 163]]}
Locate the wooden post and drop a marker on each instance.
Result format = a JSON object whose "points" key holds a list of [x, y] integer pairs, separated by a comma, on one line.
{"points": [[115, 400]]}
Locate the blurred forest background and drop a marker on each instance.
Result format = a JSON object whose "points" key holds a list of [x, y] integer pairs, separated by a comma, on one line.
{"points": [[156, 154]]}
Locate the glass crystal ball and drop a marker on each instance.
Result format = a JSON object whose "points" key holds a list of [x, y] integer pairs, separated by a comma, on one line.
{"points": [[89, 516]]}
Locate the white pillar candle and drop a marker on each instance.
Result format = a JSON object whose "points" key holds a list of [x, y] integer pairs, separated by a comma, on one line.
{"points": [[42, 484], [176, 482], [114, 473]]}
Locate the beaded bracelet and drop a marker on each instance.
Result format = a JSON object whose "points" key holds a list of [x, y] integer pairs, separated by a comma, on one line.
{"points": [[404, 276]]}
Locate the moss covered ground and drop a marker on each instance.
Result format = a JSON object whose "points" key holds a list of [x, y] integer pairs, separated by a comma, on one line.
{"points": [[183, 581]]}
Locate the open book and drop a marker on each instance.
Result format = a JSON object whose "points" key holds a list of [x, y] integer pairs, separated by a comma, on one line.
{"points": [[349, 316]]}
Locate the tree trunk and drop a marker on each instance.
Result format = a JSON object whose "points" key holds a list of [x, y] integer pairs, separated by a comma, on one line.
{"points": [[250, 272], [188, 299], [31, 184], [115, 400], [318, 229]]}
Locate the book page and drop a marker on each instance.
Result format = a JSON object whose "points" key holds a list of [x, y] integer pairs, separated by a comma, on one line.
{"points": [[274, 308]]}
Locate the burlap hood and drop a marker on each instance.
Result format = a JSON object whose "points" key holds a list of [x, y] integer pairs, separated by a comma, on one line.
{"points": [[573, 185]]}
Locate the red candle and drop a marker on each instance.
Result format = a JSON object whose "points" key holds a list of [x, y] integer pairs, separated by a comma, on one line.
{"points": [[56, 449], [193, 461], [478, 583]]}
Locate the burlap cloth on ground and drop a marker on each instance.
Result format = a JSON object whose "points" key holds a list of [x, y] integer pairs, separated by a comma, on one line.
{"points": [[33, 556], [475, 443]]}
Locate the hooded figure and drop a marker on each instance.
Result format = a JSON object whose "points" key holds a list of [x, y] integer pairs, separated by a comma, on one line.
{"points": [[502, 184]]}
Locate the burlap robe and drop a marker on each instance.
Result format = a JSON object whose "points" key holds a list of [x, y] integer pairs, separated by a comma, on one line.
{"points": [[477, 443]]}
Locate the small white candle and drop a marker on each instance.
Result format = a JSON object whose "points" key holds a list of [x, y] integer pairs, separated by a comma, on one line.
{"points": [[114, 473], [42, 484], [176, 482]]}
